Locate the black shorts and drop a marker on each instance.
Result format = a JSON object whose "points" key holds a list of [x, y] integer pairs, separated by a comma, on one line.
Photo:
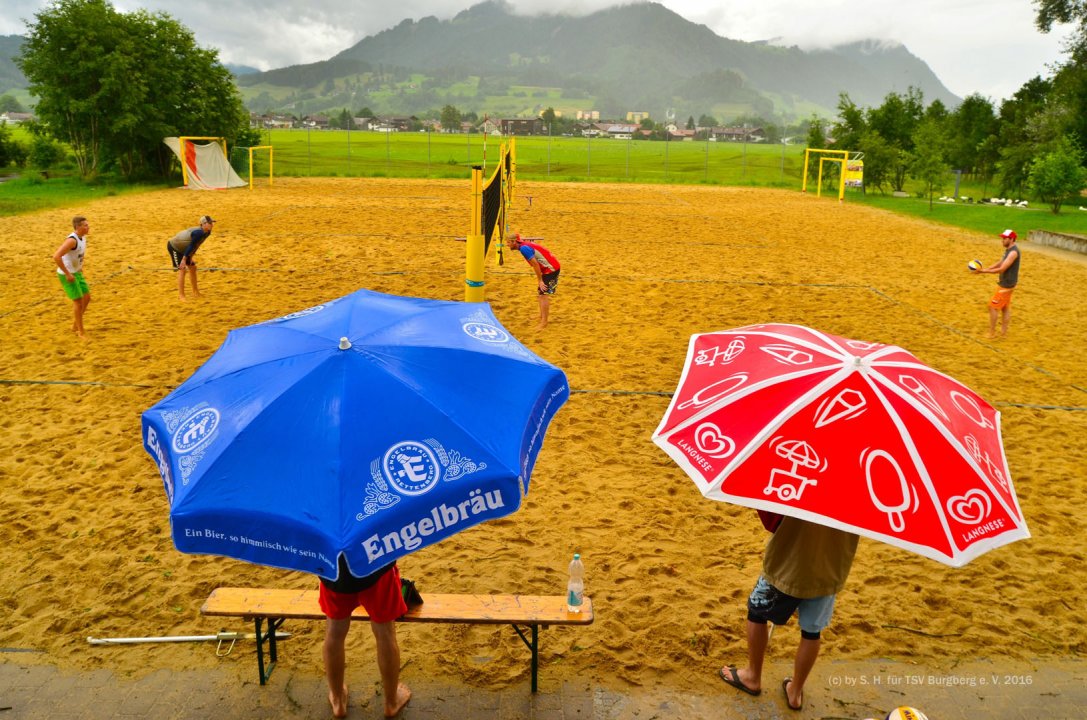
{"points": [[551, 281], [175, 256]]}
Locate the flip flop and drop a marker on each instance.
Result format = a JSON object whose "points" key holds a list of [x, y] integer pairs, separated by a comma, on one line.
{"points": [[785, 689], [732, 677]]}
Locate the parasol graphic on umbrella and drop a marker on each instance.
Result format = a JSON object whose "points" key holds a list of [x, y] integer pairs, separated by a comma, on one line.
{"points": [[854, 435], [372, 425]]}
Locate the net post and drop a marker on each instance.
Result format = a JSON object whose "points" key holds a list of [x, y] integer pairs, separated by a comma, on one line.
{"points": [[474, 259]]}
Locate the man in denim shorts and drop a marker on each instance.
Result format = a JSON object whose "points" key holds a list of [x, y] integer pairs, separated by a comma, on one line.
{"points": [[804, 566], [379, 593]]}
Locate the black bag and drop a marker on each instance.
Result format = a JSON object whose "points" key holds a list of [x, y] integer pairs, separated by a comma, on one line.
{"points": [[410, 593]]}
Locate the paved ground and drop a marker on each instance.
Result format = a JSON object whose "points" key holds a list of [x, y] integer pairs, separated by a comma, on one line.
{"points": [[838, 691]]}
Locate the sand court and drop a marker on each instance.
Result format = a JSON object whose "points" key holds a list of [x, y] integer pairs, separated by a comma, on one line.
{"points": [[84, 532]]}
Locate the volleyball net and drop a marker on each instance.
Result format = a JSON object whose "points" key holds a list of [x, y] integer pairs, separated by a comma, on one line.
{"points": [[490, 220]]}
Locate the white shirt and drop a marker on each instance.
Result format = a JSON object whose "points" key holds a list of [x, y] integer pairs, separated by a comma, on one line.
{"points": [[73, 259]]}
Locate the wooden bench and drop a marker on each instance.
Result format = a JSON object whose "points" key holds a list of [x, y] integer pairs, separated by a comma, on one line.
{"points": [[523, 612]]}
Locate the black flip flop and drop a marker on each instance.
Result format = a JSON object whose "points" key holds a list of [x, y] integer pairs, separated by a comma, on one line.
{"points": [[732, 677], [785, 690]]}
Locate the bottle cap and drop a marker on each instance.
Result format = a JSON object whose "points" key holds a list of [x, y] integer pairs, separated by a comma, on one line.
{"points": [[577, 556]]}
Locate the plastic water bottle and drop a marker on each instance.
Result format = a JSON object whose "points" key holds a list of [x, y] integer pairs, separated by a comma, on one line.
{"points": [[575, 588]]}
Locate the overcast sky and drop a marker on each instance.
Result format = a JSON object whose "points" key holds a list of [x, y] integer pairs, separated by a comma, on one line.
{"points": [[985, 46]]}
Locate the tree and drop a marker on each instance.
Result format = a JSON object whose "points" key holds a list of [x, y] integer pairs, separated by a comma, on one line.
{"points": [[707, 121], [44, 152], [548, 116], [113, 85], [1072, 12], [690, 122], [11, 151], [971, 123], [8, 103], [450, 119], [897, 117], [851, 125], [929, 149], [1058, 175], [879, 158], [365, 112]]}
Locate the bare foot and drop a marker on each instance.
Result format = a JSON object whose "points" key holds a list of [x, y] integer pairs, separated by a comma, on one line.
{"points": [[339, 704], [182, 298], [403, 694]]}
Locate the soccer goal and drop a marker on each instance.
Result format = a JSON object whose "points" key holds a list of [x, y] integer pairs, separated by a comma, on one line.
{"points": [[850, 168], [204, 164], [261, 162]]}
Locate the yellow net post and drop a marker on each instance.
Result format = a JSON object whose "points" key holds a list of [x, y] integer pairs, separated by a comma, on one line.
{"points": [[474, 290]]}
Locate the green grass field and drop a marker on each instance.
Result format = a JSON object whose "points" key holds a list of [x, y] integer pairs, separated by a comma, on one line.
{"points": [[302, 153], [337, 153]]}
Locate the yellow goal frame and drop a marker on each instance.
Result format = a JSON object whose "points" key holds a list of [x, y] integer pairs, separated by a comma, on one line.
{"points": [[839, 156], [181, 148], [271, 162]]}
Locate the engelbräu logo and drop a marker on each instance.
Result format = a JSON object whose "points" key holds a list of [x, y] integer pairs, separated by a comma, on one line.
{"points": [[486, 332], [195, 430], [411, 467]]}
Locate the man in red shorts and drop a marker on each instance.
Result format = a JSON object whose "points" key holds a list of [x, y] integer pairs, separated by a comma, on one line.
{"points": [[1008, 269], [379, 593]]}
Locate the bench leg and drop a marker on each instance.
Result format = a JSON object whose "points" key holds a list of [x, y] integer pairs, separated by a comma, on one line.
{"points": [[273, 625], [534, 646]]}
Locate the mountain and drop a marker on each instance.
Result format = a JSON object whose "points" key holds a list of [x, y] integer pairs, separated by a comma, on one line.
{"points": [[11, 78], [238, 70], [631, 57], [639, 57]]}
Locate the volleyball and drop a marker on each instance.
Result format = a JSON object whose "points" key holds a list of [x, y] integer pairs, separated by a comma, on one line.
{"points": [[974, 264], [906, 713]]}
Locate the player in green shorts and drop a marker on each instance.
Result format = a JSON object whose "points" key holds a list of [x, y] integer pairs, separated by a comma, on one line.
{"points": [[69, 261]]}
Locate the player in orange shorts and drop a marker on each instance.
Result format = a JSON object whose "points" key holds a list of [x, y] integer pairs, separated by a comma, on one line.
{"points": [[1008, 269]]}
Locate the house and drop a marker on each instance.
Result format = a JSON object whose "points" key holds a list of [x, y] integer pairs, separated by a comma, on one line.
{"points": [[15, 118], [490, 127], [681, 134], [271, 122], [317, 122], [617, 131], [738, 134], [395, 123], [523, 126], [636, 116]]}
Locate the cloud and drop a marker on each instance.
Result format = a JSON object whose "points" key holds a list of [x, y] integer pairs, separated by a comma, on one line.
{"points": [[1000, 52]]}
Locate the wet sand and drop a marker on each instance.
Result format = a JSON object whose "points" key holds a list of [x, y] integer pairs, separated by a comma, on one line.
{"points": [[84, 533]]}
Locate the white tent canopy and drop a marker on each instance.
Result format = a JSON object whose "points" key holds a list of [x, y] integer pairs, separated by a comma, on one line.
{"points": [[205, 166]]}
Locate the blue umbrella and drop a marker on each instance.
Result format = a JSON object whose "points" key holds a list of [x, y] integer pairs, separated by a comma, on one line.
{"points": [[372, 426]]}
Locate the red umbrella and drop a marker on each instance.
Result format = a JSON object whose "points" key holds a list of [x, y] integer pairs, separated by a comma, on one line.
{"points": [[860, 436]]}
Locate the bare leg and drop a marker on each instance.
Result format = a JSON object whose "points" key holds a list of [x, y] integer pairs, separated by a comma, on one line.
{"points": [[1005, 321], [77, 317], [192, 278], [388, 662], [335, 663], [181, 283], [545, 308], [79, 308], [758, 636], [804, 661], [993, 313]]}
